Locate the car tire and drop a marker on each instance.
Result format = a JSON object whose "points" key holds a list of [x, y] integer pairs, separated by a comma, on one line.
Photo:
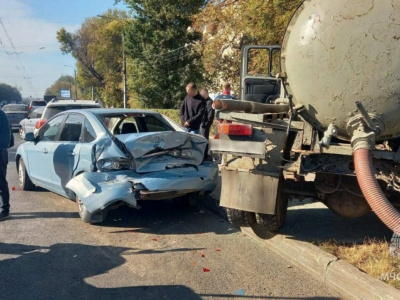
{"points": [[264, 224], [21, 133], [237, 218], [88, 217], [24, 181]]}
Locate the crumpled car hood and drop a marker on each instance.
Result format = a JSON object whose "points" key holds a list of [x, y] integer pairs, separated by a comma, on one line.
{"points": [[153, 151]]}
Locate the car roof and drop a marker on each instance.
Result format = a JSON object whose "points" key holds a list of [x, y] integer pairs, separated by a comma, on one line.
{"points": [[72, 102], [110, 111]]}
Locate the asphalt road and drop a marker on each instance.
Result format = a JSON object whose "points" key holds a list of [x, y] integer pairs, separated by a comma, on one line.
{"points": [[159, 252]]}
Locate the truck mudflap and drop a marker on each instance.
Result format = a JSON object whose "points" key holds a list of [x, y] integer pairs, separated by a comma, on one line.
{"points": [[98, 190], [252, 192]]}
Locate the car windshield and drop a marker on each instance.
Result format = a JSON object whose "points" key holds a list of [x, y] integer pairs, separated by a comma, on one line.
{"points": [[134, 123], [38, 103], [11, 108], [53, 110]]}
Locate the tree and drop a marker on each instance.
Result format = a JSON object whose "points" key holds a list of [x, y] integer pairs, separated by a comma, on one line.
{"points": [[9, 93], [65, 82], [227, 25], [97, 47], [159, 42]]}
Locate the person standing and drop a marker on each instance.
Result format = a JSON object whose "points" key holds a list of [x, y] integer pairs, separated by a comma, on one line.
{"points": [[226, 93], [208, 118], [192, 109], [5, 142]]}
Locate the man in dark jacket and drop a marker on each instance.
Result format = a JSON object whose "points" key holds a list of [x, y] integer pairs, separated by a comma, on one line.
{"points": [[5, 141], [208, 118], [192, 109]]}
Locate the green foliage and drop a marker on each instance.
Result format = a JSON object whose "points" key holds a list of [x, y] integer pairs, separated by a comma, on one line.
{"points": [[97, 47], [65, 82], [7, 92], [228, 25], [159, 42]]}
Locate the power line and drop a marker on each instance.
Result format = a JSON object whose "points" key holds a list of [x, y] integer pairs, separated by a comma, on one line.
{"points": [[15, 52]]}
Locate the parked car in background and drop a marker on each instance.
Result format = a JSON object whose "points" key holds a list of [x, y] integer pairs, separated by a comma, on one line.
{"points": [[28, 124], [15, 113], [56, 106], [104, 157], [36, 104]]}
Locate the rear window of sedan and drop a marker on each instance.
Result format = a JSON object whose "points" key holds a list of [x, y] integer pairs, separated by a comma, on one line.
{"points": [[15, 108], [38, 103], [134, 123], [53, 110]]}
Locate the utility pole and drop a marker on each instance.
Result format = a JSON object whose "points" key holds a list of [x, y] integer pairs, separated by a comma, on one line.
{"points": [[76, 86], [76, 83], [92, 85], [124, 69]]}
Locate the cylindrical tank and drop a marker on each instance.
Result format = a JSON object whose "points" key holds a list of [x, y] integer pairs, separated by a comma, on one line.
{"points": [[338, 52]]}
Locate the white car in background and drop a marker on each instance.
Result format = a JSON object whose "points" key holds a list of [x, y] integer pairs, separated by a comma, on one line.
{"points": [[56, 106], [28, 124]]}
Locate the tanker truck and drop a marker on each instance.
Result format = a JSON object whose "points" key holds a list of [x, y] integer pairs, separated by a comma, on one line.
{"points": [[322, 122]]}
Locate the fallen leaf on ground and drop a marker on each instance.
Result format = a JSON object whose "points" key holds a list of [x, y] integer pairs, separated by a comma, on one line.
{"points": [[206, 270]]}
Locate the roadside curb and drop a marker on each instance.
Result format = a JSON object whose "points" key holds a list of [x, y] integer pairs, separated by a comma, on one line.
{"points": [[338, 274]]}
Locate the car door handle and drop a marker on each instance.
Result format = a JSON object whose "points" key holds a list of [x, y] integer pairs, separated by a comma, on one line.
{"points": [[71, 153], [45, 151]]}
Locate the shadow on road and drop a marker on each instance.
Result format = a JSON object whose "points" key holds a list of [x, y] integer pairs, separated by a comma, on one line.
{"points": [[164, 217], [60, 271]]}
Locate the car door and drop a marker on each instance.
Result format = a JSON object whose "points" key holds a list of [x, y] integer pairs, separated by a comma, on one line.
{"points": [[39, 153], [65, 155], [30, 124]]}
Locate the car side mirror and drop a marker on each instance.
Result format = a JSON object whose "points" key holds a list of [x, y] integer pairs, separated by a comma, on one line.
{"points": [[29, 137]]}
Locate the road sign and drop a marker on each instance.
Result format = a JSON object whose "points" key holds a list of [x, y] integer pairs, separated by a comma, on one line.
{"points": [[65, 93]]}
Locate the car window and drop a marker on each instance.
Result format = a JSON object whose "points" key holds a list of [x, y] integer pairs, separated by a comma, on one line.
{"points": [[128, 125], [15, 108], [72, 128], [32, 115], [154, 125], [50, 130], [53, 110], [89, 135], [38, 103]]}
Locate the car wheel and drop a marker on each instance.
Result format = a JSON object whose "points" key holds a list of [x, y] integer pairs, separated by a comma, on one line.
{"points": [[21, 133], [24, 181], [88, 217]]}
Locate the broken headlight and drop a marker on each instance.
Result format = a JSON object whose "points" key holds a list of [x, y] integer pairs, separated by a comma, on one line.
{"points": [[111, 165]]}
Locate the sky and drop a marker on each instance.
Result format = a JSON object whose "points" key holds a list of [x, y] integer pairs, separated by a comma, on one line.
{"points": [[36, 61]]}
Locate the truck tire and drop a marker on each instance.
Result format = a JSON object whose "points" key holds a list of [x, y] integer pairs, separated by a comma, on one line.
{"points": [[88, 217], [24, 181], [264, 224], [237, 218]]}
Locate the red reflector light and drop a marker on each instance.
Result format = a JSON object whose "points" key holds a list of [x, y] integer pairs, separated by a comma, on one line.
{"points": [[40, 123], [235, 129]]}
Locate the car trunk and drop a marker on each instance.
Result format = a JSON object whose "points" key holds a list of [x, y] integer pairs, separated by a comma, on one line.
{"points": [[152, 151]]}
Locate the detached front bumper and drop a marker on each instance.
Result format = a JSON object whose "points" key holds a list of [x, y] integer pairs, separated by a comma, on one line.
{"points": [[98, 190]]}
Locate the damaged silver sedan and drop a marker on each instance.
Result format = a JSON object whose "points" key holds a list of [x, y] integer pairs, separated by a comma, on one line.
{"points": [[103, 158]]}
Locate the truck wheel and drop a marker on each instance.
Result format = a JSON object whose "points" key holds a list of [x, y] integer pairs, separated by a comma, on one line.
{"points": [[88, 217], [262, 224], [24, 181], [237, 217]]}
